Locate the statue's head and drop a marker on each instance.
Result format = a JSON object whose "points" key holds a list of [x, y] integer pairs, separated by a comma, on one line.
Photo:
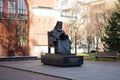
{"points": [[58, 25]]}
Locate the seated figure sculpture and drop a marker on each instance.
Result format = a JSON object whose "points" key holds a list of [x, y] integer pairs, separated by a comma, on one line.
{"points": [[58, 39], [61, 39]]}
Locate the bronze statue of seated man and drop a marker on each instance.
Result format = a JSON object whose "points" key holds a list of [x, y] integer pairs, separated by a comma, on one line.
{"points": [[61, 40], [58, 39]]}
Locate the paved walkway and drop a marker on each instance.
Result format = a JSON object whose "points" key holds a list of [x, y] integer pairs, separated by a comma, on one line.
{"points": [[14, 74], [91, 70]]}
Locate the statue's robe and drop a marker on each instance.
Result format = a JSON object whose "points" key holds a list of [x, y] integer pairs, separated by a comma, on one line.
{"points": [[63, 45]]}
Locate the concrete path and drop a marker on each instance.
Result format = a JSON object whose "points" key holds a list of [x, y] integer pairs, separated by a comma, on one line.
{"points": [[14, 74], [91, 70]]}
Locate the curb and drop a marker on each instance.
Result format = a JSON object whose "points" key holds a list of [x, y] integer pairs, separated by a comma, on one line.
{"points": [[35, 72]]}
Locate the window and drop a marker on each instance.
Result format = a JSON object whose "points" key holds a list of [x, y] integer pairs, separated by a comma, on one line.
{"points": [[22, 9], [22, 34], [64, 4], [1, 6], [13, 9], [16, 10]]}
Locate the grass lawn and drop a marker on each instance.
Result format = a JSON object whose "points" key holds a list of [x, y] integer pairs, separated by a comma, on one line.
{"points": [[91, 57], [87, 56]]}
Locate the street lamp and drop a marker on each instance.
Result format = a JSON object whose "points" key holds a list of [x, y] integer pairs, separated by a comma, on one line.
{"points": [[89, 40], [75, 29]]}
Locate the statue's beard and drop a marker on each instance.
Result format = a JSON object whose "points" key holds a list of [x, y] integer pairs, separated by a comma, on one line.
{"points": [[59, 29]]}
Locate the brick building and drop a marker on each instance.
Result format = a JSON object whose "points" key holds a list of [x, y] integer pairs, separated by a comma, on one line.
{"points": [[24, 25]]}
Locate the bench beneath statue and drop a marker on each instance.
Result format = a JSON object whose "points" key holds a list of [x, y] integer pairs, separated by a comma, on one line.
{"points": [[62, 60]]}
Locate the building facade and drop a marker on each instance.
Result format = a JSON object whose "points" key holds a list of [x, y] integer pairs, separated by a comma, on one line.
{"points": [[14, 21], [24, 24]]}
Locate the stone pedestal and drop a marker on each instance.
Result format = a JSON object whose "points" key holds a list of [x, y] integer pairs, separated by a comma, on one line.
{"points": [[62, 60]]}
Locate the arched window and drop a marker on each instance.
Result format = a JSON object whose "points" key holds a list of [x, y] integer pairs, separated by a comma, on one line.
{"points": [[16, 10]]}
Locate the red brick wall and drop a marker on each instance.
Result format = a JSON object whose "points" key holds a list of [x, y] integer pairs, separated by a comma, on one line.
{"points": [[38, 24]]}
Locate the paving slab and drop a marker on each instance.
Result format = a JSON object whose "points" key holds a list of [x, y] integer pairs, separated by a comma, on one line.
{"points": [[90, 70]]}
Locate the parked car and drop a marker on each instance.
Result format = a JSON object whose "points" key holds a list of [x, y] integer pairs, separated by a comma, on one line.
{"points": [[84, 48]]}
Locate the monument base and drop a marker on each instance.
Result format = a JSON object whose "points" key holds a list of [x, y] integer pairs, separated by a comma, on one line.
{"points": [[62, 60]]}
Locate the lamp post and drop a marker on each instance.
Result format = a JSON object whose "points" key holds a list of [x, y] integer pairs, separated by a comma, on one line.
{"points": [[75, 29], [89, 40]]}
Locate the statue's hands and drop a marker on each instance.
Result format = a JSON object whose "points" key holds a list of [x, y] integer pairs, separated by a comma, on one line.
{"points": [[63, 36]]}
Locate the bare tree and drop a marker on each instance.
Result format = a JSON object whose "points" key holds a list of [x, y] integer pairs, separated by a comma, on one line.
{"points": [[98, 20], [77, 18], [90, 18]]}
